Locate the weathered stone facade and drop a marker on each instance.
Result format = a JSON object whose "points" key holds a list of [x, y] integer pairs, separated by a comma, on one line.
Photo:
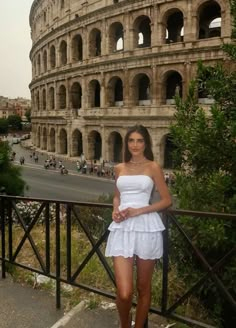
{"points": [[101, 66]]}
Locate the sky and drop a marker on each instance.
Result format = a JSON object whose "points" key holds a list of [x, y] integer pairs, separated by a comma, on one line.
{"points": [[15, 45]]}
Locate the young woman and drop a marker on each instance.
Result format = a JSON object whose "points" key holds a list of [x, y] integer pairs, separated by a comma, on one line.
{"points": [[136, 230]]}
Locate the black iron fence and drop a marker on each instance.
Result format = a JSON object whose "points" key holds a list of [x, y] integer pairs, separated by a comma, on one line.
{"points": [[26, 213]]}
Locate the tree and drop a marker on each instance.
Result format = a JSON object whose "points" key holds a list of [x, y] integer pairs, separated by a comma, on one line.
{"points": [[10, 175], [205, 162], [3, 125], [14, 122], [28, 115]]}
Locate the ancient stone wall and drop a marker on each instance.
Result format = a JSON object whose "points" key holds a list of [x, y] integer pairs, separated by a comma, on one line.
{"points": [[99, 67]]}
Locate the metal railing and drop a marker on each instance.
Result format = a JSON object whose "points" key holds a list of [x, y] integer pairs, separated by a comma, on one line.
{"points": [[10, 214]]}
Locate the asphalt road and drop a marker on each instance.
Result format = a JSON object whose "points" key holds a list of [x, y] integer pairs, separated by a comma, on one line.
{"points": [[72, 187], [51, 184]]}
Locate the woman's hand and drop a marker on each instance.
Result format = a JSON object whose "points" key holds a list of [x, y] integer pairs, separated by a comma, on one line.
{"points": [[130, 212], [118, 216]]}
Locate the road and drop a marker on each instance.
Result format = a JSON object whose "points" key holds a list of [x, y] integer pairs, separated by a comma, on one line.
{"points": [[51, 184], [72, 187]]}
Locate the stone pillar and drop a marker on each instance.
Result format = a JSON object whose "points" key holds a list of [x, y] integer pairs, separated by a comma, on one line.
{"points": [[102, 92]]}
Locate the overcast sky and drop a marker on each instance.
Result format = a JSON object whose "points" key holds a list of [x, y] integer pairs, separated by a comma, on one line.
{"points": [[15, 45]]}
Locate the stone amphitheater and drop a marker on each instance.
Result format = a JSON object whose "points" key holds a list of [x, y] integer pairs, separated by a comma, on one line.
{"points": [[100, 66]]}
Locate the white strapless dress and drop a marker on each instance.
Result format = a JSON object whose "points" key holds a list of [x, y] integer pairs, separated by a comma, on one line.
{"points": [[140, 235]]}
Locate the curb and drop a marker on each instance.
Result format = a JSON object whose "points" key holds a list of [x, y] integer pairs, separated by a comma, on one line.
{"points": [[67, 317]]}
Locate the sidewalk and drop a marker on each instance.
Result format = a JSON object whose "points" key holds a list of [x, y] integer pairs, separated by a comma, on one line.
{"points": [[23, 306]]}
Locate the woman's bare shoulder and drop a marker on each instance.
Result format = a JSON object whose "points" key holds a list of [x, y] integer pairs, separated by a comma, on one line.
{"points": [[155, 167], [118, 167]]}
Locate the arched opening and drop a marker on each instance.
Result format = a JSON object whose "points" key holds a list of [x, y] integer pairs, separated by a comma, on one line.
{"points": [[63, 53], [115, 145], [44, 139], [94, 94], [38, 139], [141, 86], [38, 101], [77, 143], [175, 27], [44, 100], [52, 138], [209, 18], [94, 145], [116, 37], [76, 95], [115, 92], [95, 40], [51, 98], [63, 148], [77, 48], [62, 97], [39, 64], [45, 64], [52, 57], [142, 28], [169, 149], [173, 87]]}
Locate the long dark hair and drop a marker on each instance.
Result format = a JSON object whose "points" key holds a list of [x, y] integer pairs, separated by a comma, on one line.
{"points": [[147, 140]]}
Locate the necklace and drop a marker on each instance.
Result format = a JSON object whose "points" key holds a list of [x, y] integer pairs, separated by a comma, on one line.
{"points": [[137, 163]]}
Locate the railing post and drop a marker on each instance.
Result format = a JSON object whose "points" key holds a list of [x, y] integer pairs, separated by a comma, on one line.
{"points": [[165, 264], [58, 257], [2, 218]]}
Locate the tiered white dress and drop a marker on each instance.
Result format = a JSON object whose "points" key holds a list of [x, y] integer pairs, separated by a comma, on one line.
{"points": [[140, 235]]}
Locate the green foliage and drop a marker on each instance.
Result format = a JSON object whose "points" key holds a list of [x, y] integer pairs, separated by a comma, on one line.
{"points": [[28, 115], [10, 175], [3, 125], [14, 122]]}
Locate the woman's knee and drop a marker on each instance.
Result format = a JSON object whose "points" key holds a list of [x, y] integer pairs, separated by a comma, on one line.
{"points": [[125, 295]]}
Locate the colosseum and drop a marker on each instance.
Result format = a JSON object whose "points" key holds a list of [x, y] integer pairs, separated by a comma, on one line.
{"points": [[100, 66]]}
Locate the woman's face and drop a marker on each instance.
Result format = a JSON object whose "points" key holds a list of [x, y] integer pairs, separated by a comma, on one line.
{"points": [[136, 144]]}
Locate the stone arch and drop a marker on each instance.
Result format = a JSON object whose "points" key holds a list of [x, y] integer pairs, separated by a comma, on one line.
{"points": [[63, 143], [94, 93], [62, 97], [44, 102], [115, 91], [94, 145], [141, 89], [76, 95], [39, 64], [173, 23], [52, 140], [51, 98], [37, 100], [77, 143], [77, 48], [167, 151], [142, 32], [45, 61], [209, 20], [115, 147], [63, 52], [44, 139], [95, 40], [52, 57], [38, 137], [116, 37], [172, 86]]}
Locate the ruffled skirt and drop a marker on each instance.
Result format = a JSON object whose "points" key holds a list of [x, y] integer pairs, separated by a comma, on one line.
{"points": [[146, 245]]}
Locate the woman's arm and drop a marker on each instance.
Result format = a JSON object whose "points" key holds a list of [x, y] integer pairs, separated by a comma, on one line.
{"points": [[116, 216]]}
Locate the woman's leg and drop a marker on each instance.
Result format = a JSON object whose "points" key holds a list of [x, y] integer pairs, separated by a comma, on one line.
{"points": [[144, 280], [124, 282]]}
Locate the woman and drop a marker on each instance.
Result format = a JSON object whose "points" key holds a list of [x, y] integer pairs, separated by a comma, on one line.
{"points": [[136, 230]]}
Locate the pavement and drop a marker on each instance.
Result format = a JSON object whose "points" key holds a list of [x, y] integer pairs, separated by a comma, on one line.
{"points": [[23, 306]]}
